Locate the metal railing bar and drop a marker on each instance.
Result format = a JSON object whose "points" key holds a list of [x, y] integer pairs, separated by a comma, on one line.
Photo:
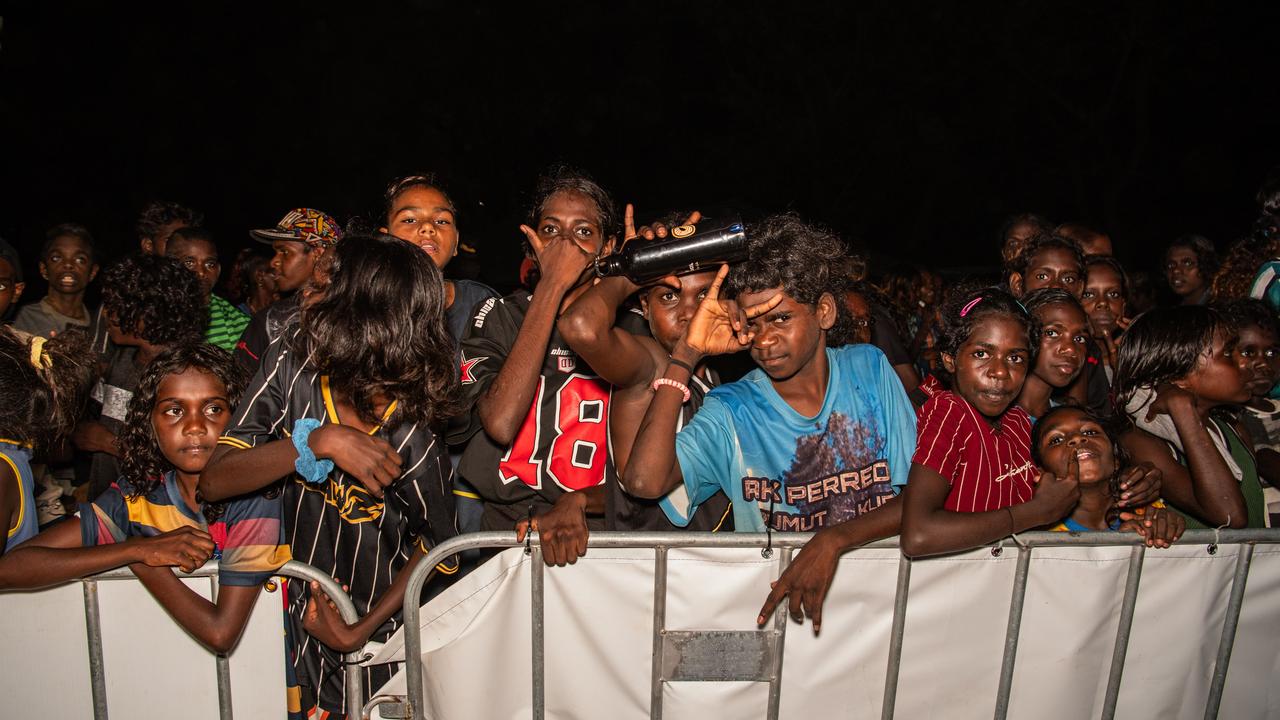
{"points": [[779, 640], [1127, 605], [1229, 625], [537, 591], [895, 638], [93, 632], [1011, 633], [221, 664], [659, 629]]}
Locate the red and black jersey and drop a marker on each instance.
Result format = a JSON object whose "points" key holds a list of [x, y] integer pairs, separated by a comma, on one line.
{"points": [[563, 444]]}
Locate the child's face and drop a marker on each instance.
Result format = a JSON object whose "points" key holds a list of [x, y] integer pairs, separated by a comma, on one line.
{"points": [[990, 366], [1182, 270], [788, 337], [860, 314], [190, 413], [1258, 355], [158, 244], [669, 309], [422, 215], [1072, 432], [1064, 342], [1050, 267], [292, 264], [1218, 378], [68, 266], [573, 215], [1097, 244], [1016, 239], [198, 256], [10, 288], [1103, 297]]}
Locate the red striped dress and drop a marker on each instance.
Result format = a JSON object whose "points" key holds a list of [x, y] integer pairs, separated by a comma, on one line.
{"points": [[989, 468]]}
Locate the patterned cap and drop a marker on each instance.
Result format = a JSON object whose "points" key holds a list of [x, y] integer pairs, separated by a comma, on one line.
{"points": [[302, 225]]}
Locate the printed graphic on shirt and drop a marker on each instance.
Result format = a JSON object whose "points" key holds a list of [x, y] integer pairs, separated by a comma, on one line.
{"points": [[829, 480], [564, 437]]}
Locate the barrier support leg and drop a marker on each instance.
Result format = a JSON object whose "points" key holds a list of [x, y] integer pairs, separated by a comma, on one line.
{"points": [[538, 672], [93, 629], [779, 637], [1229, 625], [659, 629], [222, 664], [895, 638], [1136, 556], [1011, 633]]}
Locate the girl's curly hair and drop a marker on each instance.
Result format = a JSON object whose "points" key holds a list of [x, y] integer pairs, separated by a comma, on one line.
{"points": [[141, 462], [41, 397], [156, 299], [379, 331]]}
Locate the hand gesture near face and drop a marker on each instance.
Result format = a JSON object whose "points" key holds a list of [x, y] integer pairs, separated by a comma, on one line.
{"points": [[560, 260], [1055, 495], [720, 326]]}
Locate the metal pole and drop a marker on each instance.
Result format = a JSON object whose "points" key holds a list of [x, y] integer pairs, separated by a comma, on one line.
{"points": [[353, 679], [659, 629], [93, 629], [1011, 633], [222, 664], [1121, 649], [537, 671], [779, 638], [1229, 625], [895, 638]]}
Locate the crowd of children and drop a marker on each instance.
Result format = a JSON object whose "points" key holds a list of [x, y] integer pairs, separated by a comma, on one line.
{"points": [[341, 401]]}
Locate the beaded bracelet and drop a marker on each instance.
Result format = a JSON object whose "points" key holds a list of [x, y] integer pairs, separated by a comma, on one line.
{"points": [[311, 468], [673, 383]]}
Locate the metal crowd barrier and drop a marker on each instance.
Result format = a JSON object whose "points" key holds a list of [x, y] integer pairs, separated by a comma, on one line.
{"points": [[293, 569], [757, 655]]}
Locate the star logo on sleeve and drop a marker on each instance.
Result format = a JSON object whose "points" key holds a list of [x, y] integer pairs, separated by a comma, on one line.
{"points": [[466, 366]]}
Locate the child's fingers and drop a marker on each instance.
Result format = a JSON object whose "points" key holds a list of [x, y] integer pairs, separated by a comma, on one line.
{"points": [[629, 223], [713, 292], [534, 241], [761, 308], [694, 218]]}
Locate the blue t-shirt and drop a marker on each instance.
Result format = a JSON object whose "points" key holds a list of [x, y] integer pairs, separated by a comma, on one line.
{"points": [[801, 473]]}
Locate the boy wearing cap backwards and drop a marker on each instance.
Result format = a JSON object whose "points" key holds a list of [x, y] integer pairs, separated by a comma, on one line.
{"points": [[11, 284], [68, 264], [299, 240], [195, 249]]}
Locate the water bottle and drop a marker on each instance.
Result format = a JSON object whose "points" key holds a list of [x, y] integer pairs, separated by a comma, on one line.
{"points": [[688, 249]]}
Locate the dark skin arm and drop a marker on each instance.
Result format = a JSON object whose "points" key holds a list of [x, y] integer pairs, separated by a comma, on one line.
{"points": [[56, 555], [323, 621], [503, 406], [562, 530], [216, 625], [718, 327], [1269, 466], [928, 528], [232, 472], [1207, 489], [808, 578], [617, 356]]}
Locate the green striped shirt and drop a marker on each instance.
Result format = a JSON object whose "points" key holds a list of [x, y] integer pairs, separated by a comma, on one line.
{"points": [[226, 322]]}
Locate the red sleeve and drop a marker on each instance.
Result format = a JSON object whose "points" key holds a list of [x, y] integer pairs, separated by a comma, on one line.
{"points": [[937, 435]]}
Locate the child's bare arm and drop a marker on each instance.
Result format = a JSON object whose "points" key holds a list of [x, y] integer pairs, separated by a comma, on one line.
{"points": [[56, 555], [588, 325], [502, 408], [808, 578], [323, 621], [928, 528], [562, 530], [216, 626]]}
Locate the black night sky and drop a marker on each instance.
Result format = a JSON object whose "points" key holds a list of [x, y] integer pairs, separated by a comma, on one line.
{"points": [[911, 129]]}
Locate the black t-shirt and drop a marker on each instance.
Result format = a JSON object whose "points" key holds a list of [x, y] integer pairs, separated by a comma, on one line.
{"points": [[264, 328], [563, 443], [337, 526], [467, 294]]}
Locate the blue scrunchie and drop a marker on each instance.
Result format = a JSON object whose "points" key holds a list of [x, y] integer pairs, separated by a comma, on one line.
{"points": [[311, 468]]}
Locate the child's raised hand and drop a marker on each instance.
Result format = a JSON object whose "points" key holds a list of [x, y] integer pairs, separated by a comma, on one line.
{"points": [[186, 547], [322, 621], [1057, 495], [1160, 526], [1169, 399], [1140, 485], [657, 231], [369, 459], [560, 260], [720, 326]]}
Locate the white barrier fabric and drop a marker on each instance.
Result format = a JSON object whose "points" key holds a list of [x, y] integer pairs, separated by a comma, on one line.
{"points": [[598, 625], [153, 669]]}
